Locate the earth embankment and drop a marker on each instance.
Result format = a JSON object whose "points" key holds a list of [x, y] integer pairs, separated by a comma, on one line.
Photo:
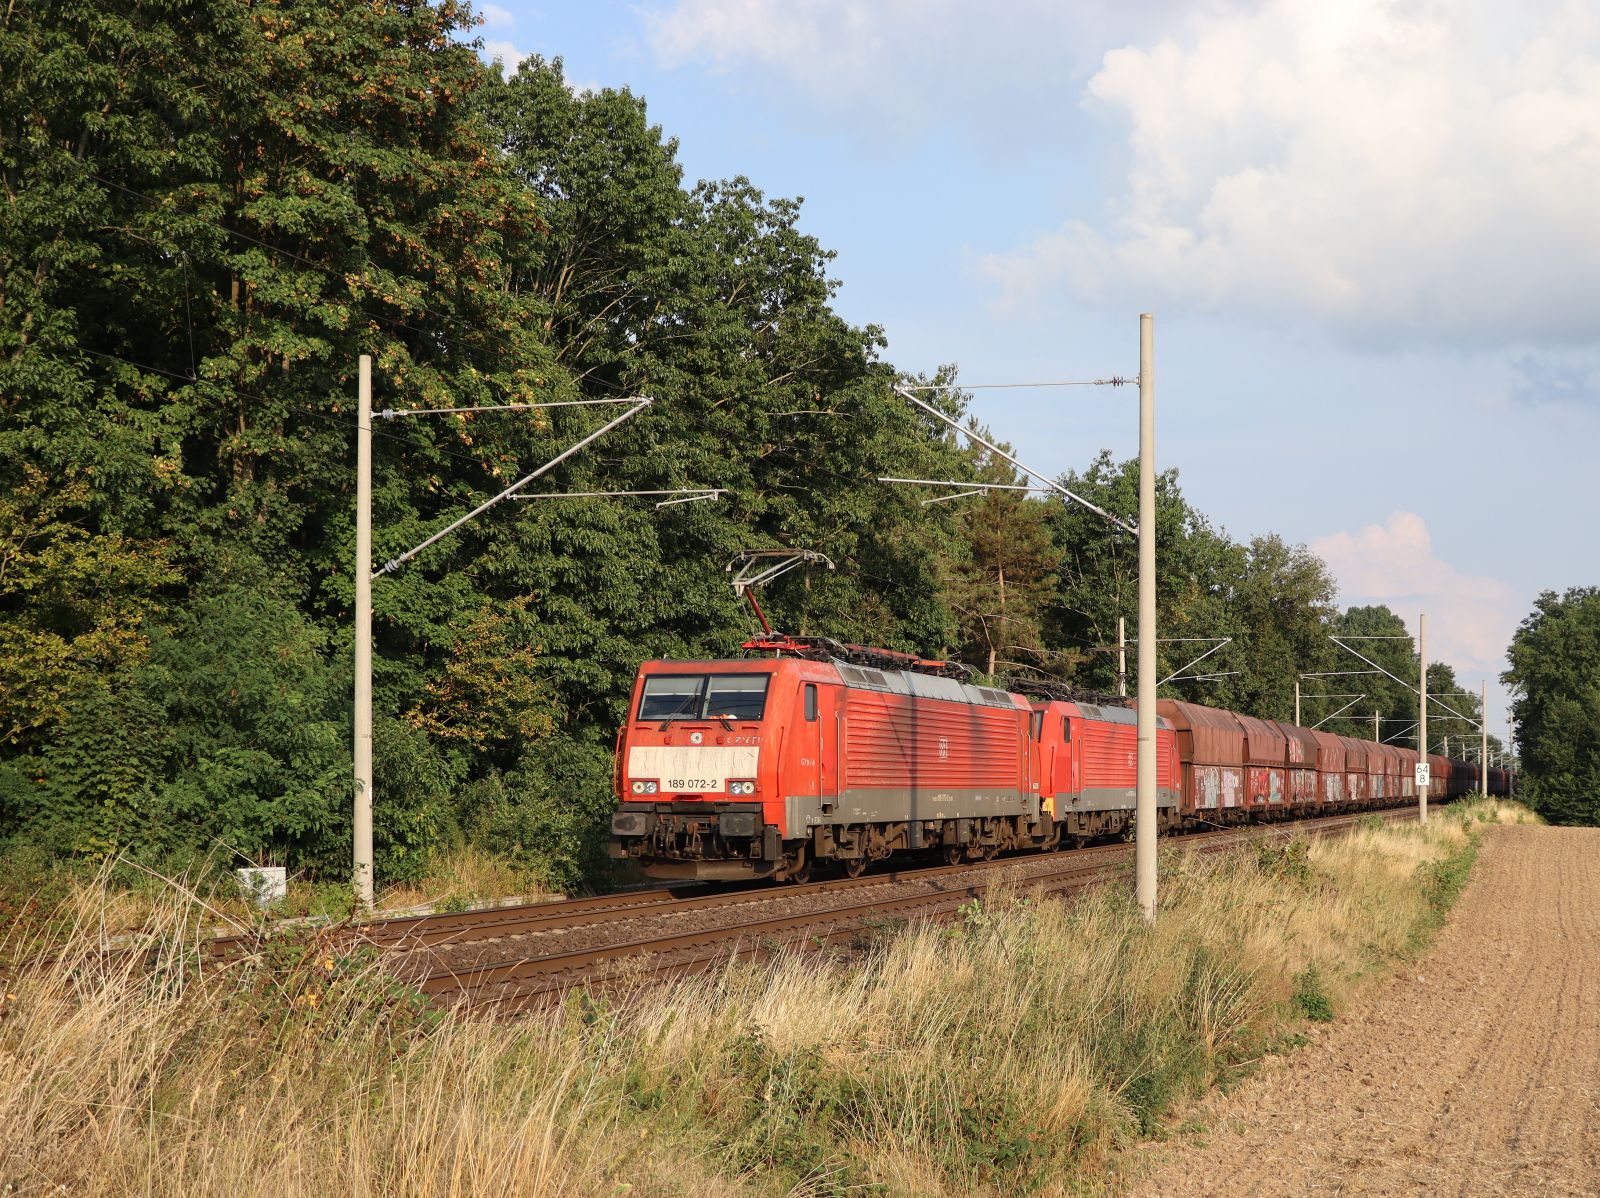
{"points": [[1477, 1072]]}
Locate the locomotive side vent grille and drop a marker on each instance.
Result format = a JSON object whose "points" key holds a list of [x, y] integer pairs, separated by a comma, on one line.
{"points": [[861, 676]]}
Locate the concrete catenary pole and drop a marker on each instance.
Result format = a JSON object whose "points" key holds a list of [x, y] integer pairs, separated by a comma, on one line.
{"points": [[1483, 746], [1122, 658], [1422, 714], [1144, 849], [1297, 701], [1375, 726], [361, 876], [1511, 748]]}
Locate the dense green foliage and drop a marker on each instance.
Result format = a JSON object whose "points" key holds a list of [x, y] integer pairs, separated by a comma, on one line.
{"points": [[1555, 683], [212, 208]]}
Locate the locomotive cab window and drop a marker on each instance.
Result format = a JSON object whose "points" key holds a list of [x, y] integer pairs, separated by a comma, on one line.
{"points": [[736, 696], [1066, 729], [1037, 720], [672, 696], [811, 702], [704, 697]]}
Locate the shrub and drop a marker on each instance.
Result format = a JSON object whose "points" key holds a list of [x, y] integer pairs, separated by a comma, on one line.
{"points": [[1310, 998]]}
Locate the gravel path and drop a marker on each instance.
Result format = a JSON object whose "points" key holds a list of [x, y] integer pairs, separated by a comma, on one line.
{"points": [[1476, 1073]]}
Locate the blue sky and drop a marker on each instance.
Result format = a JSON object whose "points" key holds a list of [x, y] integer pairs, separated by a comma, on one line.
{"points": [[1367, 230]]}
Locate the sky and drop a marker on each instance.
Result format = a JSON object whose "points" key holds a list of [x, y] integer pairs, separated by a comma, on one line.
{"points": [[1369, 233]]}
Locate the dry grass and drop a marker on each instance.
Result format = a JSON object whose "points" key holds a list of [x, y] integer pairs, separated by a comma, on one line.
{"points": [[1013, 1052], [467, 877], [122, 899]]}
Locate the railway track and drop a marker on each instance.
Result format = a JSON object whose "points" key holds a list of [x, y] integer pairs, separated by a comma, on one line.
{"points": [[421, 931], [749, 923]]}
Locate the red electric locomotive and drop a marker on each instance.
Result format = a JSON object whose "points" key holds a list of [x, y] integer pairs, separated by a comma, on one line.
{"points": [[756, 768]]}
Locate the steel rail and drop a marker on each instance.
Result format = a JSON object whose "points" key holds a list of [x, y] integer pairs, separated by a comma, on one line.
{"points": [[428, 931], [496, 984], [747, 937], [495, 923], [487, 923]]}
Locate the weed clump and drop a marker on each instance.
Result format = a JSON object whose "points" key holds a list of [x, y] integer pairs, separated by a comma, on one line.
{"points": [[1310, 997], [1286, 861]]}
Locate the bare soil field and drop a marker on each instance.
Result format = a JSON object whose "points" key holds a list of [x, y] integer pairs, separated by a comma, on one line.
{"points": [[1476, 1072]]}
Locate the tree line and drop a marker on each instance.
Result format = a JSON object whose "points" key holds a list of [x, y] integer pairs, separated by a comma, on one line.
{"points": [[1554, 678], [213, 207]]}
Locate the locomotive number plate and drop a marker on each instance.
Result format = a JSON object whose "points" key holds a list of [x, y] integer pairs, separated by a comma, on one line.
{"points": [[693, 769]]}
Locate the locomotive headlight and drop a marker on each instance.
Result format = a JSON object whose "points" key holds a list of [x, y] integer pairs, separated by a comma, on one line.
{"points": [[638, 788], [742, 788], [650, 788]]}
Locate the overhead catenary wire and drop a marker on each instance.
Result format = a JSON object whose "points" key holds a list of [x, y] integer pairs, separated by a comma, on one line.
{"points": [[396, 413], [1414, 690], [1223, 643], [394, 563], [1113, 381], [243, 394], [969, 488], [341, 423], [1335, 714], [973, 435], [685, 495], [1200, 677], [692, 495]]}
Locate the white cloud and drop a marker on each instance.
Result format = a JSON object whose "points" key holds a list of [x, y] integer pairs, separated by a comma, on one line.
{"points": [[1398, 169], [495, 17], [1470, 617], [885, 69], [509, 56]]}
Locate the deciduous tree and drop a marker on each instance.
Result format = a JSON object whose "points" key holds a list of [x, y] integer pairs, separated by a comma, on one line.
{"points": [[1555, 684]]}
